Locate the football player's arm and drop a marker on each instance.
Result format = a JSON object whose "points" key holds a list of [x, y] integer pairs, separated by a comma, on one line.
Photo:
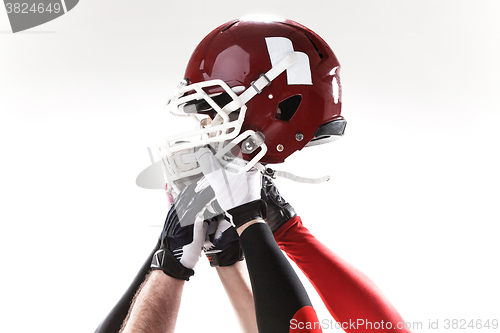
{"points": [[236, 283], [156, 305], [115, 318], [280, 297], [223, 251], [348, 294]]}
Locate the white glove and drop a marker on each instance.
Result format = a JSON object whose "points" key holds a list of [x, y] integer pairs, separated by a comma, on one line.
{"points": [[231, 189], [237, 194]]}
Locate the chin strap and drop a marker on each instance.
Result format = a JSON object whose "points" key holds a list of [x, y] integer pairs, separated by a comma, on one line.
{"points": [[283, 174], [299, 179]]}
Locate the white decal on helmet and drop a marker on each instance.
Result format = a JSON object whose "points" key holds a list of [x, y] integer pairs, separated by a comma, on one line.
{"points": [[336, 85], [300, 72]]}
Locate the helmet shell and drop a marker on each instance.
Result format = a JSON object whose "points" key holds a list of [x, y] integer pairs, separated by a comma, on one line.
{"points": [[236, 52]]}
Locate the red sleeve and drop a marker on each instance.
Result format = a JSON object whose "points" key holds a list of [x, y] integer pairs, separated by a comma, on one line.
{"points": [[350, 296]]}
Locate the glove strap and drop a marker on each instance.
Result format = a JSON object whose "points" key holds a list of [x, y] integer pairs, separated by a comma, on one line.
{"points": [[250, 211], [163, 259]]}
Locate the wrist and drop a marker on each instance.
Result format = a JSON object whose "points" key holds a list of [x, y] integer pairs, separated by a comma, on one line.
{"points": [[164, 260], [250, 211]]}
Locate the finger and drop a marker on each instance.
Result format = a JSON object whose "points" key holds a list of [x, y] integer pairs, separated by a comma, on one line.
{"points": [[192, 251]]}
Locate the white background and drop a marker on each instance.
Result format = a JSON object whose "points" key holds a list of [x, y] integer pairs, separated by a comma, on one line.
{"points": [[414, 199]]}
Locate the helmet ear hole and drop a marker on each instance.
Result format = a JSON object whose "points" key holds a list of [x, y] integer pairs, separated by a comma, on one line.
{"points": [[288, 107]]}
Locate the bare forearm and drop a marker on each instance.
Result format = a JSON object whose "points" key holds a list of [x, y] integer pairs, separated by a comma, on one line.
{"points": [[156, 306], [236, 282]]}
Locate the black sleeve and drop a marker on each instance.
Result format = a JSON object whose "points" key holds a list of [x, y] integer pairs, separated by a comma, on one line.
{"points": [[113, 321], [278, 292]]}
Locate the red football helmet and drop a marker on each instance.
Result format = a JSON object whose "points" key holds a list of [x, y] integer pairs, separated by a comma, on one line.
{"points": [[267, 87]]}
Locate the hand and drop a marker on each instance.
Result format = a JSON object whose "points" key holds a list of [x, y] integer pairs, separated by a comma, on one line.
{"points": [[184, 231], [238, 194], [222, 246]]}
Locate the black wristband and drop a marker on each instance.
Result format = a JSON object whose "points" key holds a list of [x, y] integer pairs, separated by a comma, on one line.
{"points": [[163, 259], [247, 212]]}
